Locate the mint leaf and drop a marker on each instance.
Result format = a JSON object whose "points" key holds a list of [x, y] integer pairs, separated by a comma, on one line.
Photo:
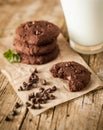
{"points": [[11, 56]]}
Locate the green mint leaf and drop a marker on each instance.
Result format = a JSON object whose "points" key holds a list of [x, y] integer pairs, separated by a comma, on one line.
{"points": [[11, 56]]}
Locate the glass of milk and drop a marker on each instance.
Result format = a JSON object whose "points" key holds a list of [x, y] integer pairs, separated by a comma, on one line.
{"points": [[84, 20]]}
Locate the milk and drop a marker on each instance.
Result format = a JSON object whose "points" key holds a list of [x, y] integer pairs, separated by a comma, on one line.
{"points": [[84, 20]]}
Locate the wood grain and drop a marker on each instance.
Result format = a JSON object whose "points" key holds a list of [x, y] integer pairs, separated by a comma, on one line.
{"points": [[84, 113]]}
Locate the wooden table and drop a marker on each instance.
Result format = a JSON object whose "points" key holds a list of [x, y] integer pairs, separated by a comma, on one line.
{"points": [[83, 113]]}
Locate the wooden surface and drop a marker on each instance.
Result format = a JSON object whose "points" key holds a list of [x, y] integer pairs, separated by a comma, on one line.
{"points": [[84, 113]]}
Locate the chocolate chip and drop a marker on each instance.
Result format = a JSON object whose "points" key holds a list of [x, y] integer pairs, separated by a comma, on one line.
{"points": [[33, 106], [33, 100], [48, 90], [54, 88], [27, 88], [28, 104], [30, 119], [36, 77], [17, 105], [35, 71], [41, 89], [20, 88], [24, 84], [38, 94], [14, 113], [68, 115], [45, 97], [43, 82], [9, 118], [31, 95], [39, 106], [52, 97]]}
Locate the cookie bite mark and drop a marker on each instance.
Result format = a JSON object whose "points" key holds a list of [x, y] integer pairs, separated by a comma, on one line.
{"points": [[76, 74]]}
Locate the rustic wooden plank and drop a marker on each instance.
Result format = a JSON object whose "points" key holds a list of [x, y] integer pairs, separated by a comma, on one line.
{"points": [[31, 122], [8, 98]]}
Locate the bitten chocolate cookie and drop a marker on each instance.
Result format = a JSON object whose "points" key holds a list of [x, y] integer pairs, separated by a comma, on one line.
{"points": [[29, 49], [76, 74], [37, 32], [33, 59]]}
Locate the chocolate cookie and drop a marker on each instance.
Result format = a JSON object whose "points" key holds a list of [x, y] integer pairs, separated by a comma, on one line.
{"points": [[33, 59], [76, 74], [37, 32], [29, 49]]}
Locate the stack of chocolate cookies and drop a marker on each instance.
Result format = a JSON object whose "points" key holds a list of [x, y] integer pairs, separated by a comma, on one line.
{"points": [[35, 42]]}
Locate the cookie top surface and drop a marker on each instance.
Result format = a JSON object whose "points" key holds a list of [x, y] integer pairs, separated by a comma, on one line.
{"points": [[76, 74], [37, 32]]}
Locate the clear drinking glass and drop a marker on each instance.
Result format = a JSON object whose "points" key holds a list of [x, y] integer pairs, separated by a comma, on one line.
{"points": [[84, 20]]}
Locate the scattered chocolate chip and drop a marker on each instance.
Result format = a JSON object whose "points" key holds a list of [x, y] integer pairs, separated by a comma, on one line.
{"points": [[52, 97], [14, 113], [9, 118], [33, 106], [43, 101], [31, 95], [41, 89], [35, 71], [17, 105], [30, 119], [28, 104], [38, 98], [24, 84], [20, 88], [39, 106], [68, 115], [48, 90], [27, 88], [33, 100], [45, 97], [36, 77], [43, 82], [54, 88], [38, 94]]}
